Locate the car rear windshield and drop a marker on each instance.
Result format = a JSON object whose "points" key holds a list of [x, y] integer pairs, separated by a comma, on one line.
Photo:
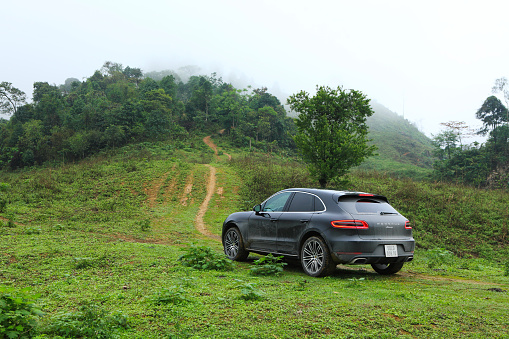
{"points": [[356, 205]]}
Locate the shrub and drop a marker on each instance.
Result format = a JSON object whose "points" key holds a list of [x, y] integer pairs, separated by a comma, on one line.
{"points": [[264, 176], [203, 258], [3, 201], [145, 225], [268, 265], [17, 313], [249, 291], [439, 256], [90, 321], [33, 230], [87, 262]]}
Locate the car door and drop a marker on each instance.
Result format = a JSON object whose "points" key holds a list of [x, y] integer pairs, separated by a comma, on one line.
{"points": [[294, 221], [262, 231]]}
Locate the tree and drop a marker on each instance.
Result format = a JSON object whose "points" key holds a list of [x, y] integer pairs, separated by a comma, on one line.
{"points": [[446, 144], [10, 98], [502, 85], [332, 131], [492, 113]]}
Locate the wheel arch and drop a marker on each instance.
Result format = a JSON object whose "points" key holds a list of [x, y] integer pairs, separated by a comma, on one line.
{"points": [[309, 234], [226, 227]]}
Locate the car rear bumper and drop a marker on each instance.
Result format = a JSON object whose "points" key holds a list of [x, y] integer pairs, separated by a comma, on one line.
{"points": [[371, 252]]}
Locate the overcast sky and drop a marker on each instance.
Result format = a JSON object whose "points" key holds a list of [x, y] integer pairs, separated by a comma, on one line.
{"points": [[433, 61]]}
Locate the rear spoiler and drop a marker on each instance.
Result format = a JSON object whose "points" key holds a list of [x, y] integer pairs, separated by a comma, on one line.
{"points": [[347, 195]]}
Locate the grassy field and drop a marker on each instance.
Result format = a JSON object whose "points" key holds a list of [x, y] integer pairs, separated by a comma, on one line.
{"points": [[98, 243]]}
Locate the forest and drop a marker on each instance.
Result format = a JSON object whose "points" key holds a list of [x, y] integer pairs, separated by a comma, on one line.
{"points": [[119, 105]]}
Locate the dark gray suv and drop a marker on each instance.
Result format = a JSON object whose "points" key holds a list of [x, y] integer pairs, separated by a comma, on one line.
{"points": [[323, 228]]}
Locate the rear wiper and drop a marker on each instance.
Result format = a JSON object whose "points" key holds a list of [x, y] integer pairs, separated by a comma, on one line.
{"points": [[384, 213]]}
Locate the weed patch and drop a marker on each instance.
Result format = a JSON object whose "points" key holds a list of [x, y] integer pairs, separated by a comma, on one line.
{"points": [[173, 295], [204, 258], [268, 265], [18, 313], [90, 321], [249, 291]]}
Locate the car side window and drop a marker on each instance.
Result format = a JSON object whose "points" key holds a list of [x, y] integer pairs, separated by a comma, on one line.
{"points": [[276, 203], [319, 206], [302, 202]]}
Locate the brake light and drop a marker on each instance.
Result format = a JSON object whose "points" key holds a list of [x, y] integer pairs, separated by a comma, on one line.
{"points": [[408, 225], [351, 224], [366, 195]]}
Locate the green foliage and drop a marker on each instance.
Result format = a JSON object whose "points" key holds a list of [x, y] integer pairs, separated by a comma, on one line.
{"points": [[332, 131], [145, 225], [175, 295], [249, 291], [268, 265], [101, 203], [33, 230], [492, 113], [204, 258], [439, 256], [87, 262], [4, 187], [11, 98], [400, 144], [90, 321], [18, 313], [116, 107], [263, 176]]}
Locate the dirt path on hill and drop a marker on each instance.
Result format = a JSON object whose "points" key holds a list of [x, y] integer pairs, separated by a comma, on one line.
{"points": [[211, 144], [198, 222], [211, 187]]}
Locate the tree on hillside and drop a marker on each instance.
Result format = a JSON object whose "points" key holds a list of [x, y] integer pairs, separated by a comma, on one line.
{"points": [[492, 113], [10, 98], [445, 143], [502, 86], [332, 130]]}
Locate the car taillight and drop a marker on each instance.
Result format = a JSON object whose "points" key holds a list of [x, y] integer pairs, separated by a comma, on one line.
{"points": [[356, 224], [408, 225]]}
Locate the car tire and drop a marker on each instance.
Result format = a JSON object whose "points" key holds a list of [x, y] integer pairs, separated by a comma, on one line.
{"points": [[387, 269], [315, 258], [233, 245]]}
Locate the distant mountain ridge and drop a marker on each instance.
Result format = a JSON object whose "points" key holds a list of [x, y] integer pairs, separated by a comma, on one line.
{"points": [[402, 148]]}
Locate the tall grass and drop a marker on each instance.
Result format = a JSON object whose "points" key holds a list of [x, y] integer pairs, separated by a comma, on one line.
{"points": [[264, 175]]}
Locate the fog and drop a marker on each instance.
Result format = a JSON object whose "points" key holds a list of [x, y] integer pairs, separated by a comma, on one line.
{"points": [[431, 61]]}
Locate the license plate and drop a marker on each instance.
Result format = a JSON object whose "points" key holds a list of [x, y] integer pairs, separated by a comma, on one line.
{"points": [[391, 251]]}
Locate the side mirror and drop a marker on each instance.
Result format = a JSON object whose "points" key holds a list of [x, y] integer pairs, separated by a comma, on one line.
{"points": [[257, 209]]}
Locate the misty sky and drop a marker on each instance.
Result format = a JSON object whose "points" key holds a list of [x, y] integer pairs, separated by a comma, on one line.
{"points": [[434, 61]]}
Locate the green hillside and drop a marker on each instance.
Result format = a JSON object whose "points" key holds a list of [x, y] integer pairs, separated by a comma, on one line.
{"points": [[96, 245], [403, 150]]}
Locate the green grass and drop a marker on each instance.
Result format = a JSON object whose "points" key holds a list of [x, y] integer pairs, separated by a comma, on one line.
{"points": [[105, 235]]}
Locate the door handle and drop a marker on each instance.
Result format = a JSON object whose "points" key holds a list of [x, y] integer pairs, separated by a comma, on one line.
{"points": [[304, 221], [273, 219]]}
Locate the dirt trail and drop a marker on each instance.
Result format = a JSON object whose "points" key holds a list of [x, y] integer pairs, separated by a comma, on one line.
{"points": [[211, 144], [198, 222], [211, 187]]}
